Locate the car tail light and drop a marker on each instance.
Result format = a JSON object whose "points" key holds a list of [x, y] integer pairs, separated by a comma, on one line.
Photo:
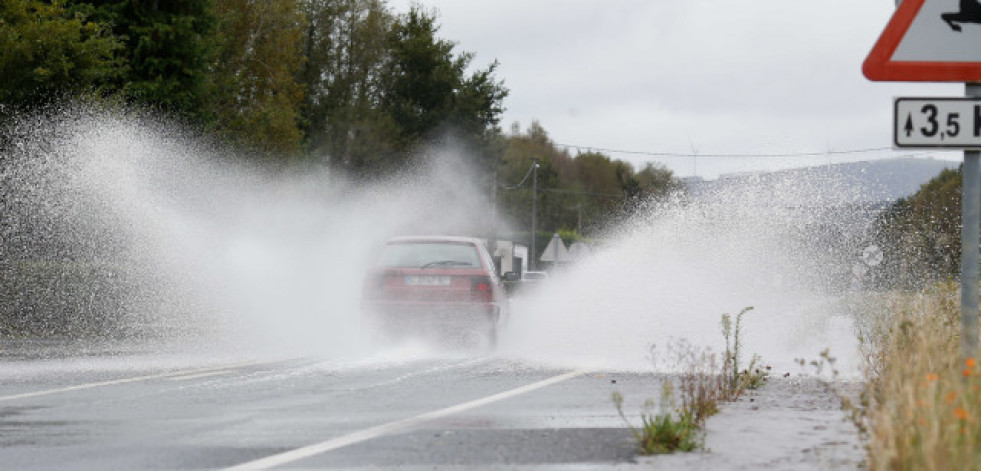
{"points": [[481, 288], [481, 284]]}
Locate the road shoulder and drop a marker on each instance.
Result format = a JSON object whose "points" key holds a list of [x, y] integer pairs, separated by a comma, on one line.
{"points": [[792, 424]]}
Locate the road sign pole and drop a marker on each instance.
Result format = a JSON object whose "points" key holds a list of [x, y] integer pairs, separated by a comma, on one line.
{"points": [[926, 42], [533, 263], [970, 208]]}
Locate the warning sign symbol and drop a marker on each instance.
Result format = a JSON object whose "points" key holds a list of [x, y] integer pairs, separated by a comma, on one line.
{"points": [[929, 41], [970, 12]]}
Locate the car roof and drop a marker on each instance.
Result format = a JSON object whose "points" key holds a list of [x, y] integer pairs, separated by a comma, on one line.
{"points": [[436, 238]]}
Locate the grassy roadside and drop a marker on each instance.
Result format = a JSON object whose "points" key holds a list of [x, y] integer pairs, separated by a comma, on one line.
{"points": [[921, 407], [691, 396]]}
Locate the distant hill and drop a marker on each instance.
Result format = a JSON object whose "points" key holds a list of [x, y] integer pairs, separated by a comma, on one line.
{"points": [[869, 182]]}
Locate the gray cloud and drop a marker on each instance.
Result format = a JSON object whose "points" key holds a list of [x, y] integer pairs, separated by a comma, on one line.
{"points": [[740, 77]]}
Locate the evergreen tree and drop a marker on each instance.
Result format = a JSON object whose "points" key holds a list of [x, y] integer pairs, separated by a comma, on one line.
{"points": [[169, 47], [47, 50], [428, 91]]}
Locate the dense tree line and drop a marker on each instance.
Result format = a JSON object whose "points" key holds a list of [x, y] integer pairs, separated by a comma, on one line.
{"points": [[921, 235], [586, 192], [345, 82]]}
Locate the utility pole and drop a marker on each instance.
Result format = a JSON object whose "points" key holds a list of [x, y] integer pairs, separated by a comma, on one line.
{"points": [[970, 206], [494, 224], [533, 263]]}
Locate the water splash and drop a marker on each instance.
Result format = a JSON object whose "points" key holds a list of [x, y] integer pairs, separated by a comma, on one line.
{"points": [[672, 273], [196, 249], [204, 248]]}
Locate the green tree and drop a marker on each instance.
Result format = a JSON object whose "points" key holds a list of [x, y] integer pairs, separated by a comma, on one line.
{"points": [[346, 50], [656, 181], [256, 97], [169, 48], [428, 91], [589, 186], [554, 210], [47, 50], [424, 74], [380, 85], [920, 235], [597, 173]]}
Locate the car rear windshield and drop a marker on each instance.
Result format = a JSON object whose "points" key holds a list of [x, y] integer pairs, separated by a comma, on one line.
{"points": [[429, 255]]}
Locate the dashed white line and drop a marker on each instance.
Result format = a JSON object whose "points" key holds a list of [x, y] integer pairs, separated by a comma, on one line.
{"points": [[186, 374], [393, 427]]}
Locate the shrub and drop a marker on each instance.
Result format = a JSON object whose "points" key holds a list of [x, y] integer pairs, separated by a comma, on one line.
{"points": [[662, 432], [921, 404], [702, 383]]}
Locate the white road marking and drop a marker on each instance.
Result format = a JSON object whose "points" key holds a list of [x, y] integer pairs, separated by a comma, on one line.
{"points": [[435, 369], [135, 379], [393, 427], [200, 375]]}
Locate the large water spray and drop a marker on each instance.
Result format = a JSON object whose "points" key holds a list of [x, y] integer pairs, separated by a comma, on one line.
{"points": [[671, 274], [128, 220]]}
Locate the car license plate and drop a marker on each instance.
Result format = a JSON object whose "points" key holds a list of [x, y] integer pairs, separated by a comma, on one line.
{"points": [[427, 280]]}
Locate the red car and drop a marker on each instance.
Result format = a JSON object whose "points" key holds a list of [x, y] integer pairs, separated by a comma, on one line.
{"points": [[440, 286]]}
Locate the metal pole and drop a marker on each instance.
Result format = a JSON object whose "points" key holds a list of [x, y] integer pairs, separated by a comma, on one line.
{"points": [[970, 206], [533, 263], [494, 205]]}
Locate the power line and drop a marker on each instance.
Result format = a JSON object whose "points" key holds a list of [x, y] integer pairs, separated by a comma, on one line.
{"points": [[523, 180], [569, 192], [583, 193], [692, 154]]}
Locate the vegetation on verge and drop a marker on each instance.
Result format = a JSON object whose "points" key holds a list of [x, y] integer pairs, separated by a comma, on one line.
{"points": [[739, 379], [921, 404], [921, 235], [661, 432], [700, 385]]}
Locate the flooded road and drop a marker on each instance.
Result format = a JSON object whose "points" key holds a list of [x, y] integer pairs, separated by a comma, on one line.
{"points": [[391, 410], [107, 413]]}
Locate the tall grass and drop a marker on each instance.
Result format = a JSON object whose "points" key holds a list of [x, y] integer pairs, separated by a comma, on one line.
{"points": [[738, 378], [921, 408], [662, 432], [693, 395]]}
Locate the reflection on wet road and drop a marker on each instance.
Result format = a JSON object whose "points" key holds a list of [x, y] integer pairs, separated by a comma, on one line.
{"points": [[119, 413]]}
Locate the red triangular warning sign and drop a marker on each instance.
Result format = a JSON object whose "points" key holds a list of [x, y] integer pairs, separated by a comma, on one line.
{"points": [[936, 41]]}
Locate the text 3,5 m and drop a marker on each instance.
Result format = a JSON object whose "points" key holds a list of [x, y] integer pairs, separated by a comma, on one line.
{"points": [[937, 122]]}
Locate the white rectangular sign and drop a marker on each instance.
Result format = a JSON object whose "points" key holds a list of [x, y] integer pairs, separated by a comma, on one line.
{"points": [[948, 123]]}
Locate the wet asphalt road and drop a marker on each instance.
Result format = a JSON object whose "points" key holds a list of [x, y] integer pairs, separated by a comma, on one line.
{"points": [[456, 412]]}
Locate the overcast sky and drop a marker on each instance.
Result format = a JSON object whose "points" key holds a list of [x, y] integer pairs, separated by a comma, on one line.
{"points": [[703, 77]]}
